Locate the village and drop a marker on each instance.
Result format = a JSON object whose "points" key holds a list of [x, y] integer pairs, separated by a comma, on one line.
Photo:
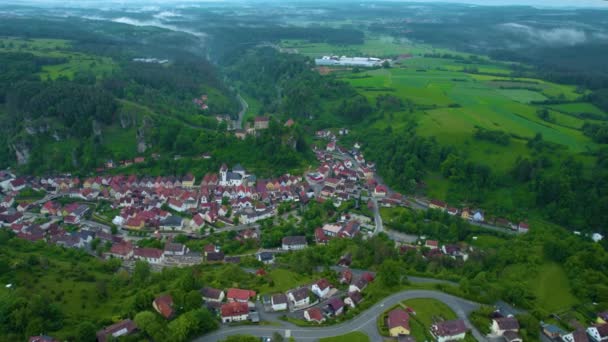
{"points": [[117, 211]]}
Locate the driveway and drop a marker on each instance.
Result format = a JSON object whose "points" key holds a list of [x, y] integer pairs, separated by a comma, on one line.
{"points": [[364, 322]]}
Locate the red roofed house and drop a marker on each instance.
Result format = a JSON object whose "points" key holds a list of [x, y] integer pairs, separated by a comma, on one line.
{"points": [[151, 255], [239, 295], [123, 250], [437, 204], [523, 227], [367, 277], [321, 288], [320, 237], [261, 122], [346, 276], [234, 312], [116, 330], [51, 208], [314, 315], [380, 191], [432, 244], [42, 339], [398, 323], [164, 306], [449, 330]]}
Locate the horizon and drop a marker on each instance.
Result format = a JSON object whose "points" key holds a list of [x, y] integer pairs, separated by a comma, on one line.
{"points": [[494, 3]]}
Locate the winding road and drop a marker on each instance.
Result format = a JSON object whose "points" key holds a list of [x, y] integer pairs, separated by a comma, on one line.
{"points": [[365, 322]]}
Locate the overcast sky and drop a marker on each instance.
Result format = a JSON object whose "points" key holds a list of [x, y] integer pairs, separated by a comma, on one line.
{"points": [[539, 3], [536, 3]]}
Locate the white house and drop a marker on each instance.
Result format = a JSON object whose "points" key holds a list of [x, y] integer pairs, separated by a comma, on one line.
{"points": [[290, 243], [234, 312], [212, 295], [449, 330], [299, 297], [279, 302], [501, 325], [151, 255], [321, 288], [598, 333]]}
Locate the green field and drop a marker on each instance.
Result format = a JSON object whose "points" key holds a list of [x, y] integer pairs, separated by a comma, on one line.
{"points": [[552, 288], [457, 103], [350, 337], [549, 284], [577, 108], [76, 61], [283, 280]]}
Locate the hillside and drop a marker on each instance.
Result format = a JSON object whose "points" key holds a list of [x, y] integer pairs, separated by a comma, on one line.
{"points": [[475, 132], [71, 105]]}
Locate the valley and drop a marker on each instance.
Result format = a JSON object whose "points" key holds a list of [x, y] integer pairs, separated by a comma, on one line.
{"points": [[303, 171]]}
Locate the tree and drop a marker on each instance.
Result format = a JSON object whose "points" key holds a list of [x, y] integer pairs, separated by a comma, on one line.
{"points": [[85, 331], [241, 338], [390, 273], [277, 337], [149, 323], [141, 272]]}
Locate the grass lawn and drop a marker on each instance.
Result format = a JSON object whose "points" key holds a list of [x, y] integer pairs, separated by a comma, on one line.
{"points": [[283, 281], [549, 284], [355, 336], [488, 241], [427, 312], [552, 288]]}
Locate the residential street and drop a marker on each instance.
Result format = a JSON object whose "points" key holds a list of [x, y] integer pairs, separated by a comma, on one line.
{"points": [[365, 322]]}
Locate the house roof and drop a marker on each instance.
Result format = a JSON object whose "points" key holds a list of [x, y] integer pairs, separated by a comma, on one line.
{"points": [[144, 252], [209, 292], [300, 293], [174, 247], [356, 297], [279, 298], [449, 328], [164, 305], [234, 309], [511, 336], [240, 294], [398, 318], [602, 329], [315, 314], [294, 240], [323, 284], [42, 339], [335, 303], [507, 323], [122, 248], [126, 326]]}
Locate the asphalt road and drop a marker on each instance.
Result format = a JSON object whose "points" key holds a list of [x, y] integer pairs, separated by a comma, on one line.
{"points": [[364, 322]]}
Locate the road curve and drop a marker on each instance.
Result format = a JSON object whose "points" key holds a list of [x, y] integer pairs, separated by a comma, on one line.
{"points": [[365, 322]]}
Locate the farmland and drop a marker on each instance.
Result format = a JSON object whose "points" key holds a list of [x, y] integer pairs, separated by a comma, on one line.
{"points": [[451, 105], [76, 62]]}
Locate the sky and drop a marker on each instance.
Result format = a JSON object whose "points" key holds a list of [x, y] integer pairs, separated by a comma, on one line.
{"points": [[536, 3]]}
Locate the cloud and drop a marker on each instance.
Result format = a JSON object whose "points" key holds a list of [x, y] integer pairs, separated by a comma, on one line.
{"points": [[166, 15], [157, 23], [560, 36]]}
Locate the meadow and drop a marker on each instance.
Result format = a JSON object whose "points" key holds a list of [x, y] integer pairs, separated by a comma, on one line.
{"points": [[350, 337], [451, 105], [77, 62]]}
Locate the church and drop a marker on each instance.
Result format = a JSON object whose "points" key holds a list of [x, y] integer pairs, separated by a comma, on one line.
{"points": [[232, 178]]}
